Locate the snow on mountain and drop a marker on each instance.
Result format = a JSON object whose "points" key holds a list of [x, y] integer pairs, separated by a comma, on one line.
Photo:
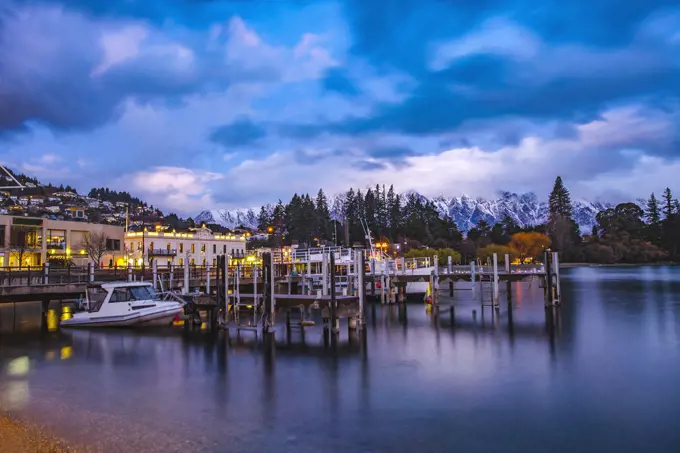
{"points": [[525, 209], [231, 219]]}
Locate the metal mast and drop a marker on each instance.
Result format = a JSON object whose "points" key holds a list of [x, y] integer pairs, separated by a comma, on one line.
{"points": [[11, 176]]}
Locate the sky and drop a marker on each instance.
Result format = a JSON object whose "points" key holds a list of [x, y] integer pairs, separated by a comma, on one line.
{"points": [[200, 104]]}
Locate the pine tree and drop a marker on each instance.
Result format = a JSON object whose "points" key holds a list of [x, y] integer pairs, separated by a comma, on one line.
{"points": [[323, 217], [264, 221], [560, 201], [652, 214], [668, 204]]}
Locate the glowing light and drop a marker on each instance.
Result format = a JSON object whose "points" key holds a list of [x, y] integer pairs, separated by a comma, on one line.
{"points": [[66, 352], [19, 366]]}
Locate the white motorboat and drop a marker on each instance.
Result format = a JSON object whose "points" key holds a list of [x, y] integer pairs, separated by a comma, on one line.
{"points": [[123, 304]]}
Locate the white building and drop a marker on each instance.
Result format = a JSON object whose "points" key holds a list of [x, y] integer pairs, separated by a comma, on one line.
{"points": [[197, 247]]}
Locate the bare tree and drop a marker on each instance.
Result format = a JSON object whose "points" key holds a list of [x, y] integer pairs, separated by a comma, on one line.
{"points": [[95, 246], [22, 241]]}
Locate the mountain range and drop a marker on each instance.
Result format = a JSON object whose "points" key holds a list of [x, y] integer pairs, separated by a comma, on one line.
{"points": [[525, 209]]}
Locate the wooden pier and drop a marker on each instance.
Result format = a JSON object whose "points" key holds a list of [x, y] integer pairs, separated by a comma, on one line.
{"points": [[335, 282]]}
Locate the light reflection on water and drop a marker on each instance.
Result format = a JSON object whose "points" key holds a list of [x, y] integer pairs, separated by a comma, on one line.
{"points": [[601, 376]]}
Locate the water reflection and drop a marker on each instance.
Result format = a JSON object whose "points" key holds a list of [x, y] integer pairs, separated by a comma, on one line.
{"points": [[600, 372]]}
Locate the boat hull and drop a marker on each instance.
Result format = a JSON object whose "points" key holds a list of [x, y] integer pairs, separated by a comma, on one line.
{"points": [[150, 318]]}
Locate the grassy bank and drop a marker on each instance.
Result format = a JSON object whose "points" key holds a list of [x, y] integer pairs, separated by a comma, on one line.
{"points": [[17, 436]]}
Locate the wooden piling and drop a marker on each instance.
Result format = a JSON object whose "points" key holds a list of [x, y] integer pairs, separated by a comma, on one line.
{"points": [[333, 301]]}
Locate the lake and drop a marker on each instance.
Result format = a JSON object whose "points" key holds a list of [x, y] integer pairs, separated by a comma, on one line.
{"points": [[601, 374]]}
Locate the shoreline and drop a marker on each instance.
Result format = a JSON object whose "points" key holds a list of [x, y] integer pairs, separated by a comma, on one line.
{"points": [[21, 436]]}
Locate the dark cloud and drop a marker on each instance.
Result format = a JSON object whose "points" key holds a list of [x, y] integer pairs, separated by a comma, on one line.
{"points": [[242, 132], [336, 80], [367, 165], [391, 152], [49, 58]]}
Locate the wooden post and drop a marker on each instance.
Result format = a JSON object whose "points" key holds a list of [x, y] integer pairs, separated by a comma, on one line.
{"points": [[185, 289], [171, 279], [46, 272], [495, 279], [90, 272], [225, 277], [548, 278], [333, 307], [361, 270], [324, 273], [272, 292], [507, 263], [472, 277], [255, 298], [207, 278], [129, 271], [435, 289], [556, 270], [449, 267], [373, 277], [403, 265], [309, 274], [154, 272]]}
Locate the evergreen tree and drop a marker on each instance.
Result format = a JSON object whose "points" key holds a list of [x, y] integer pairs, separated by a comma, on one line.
{"points": [[324, 229], [264, 221], [560, 200], [668, 204], [652, 214]]}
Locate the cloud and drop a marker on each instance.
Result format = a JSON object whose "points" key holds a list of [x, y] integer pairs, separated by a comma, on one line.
{"points": [[69, 71], [179, 188], [337, 81], [188, 100], [241, 132]]}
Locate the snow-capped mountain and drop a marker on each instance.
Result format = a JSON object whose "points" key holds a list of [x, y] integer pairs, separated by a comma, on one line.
{"points": [[525, 209], [229, 218]]}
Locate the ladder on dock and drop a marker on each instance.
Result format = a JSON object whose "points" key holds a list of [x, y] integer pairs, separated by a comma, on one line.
{"points": [[253, 309]]}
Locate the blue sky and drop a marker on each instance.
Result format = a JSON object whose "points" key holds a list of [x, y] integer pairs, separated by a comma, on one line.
{"points": [[195, 104]]}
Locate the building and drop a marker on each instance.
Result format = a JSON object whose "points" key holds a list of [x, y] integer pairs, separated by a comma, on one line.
{"points": [[195, 247], [33, 241]]}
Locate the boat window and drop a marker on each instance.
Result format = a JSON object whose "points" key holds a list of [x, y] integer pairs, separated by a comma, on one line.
{"points": [[120, 295], [95, 298], [142, 293]]}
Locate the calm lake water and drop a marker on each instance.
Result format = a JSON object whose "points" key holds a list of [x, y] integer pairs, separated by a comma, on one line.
{"points": [[602, 376]]}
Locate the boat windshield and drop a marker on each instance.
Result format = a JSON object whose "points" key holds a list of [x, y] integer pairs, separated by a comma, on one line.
{"points": [[143, 293], [95, 297]]}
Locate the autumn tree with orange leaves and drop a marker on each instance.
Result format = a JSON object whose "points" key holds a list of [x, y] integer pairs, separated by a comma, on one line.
{"points": [[529, 245]]}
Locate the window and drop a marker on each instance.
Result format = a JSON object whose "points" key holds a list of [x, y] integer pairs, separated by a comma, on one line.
{"points": [[214, 248], [225, 249], [181, 247], [120, 295], [142, 293], [151, 245], [112, 244], [168, 247], [181, 261], [202, 248], [56, 240], [193, 248], [192, 262], [139, 245], [204, 261], [214, 262], [2, 235]]}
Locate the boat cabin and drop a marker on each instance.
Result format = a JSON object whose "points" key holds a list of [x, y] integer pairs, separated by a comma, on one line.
{"points": [[115, 297]]}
